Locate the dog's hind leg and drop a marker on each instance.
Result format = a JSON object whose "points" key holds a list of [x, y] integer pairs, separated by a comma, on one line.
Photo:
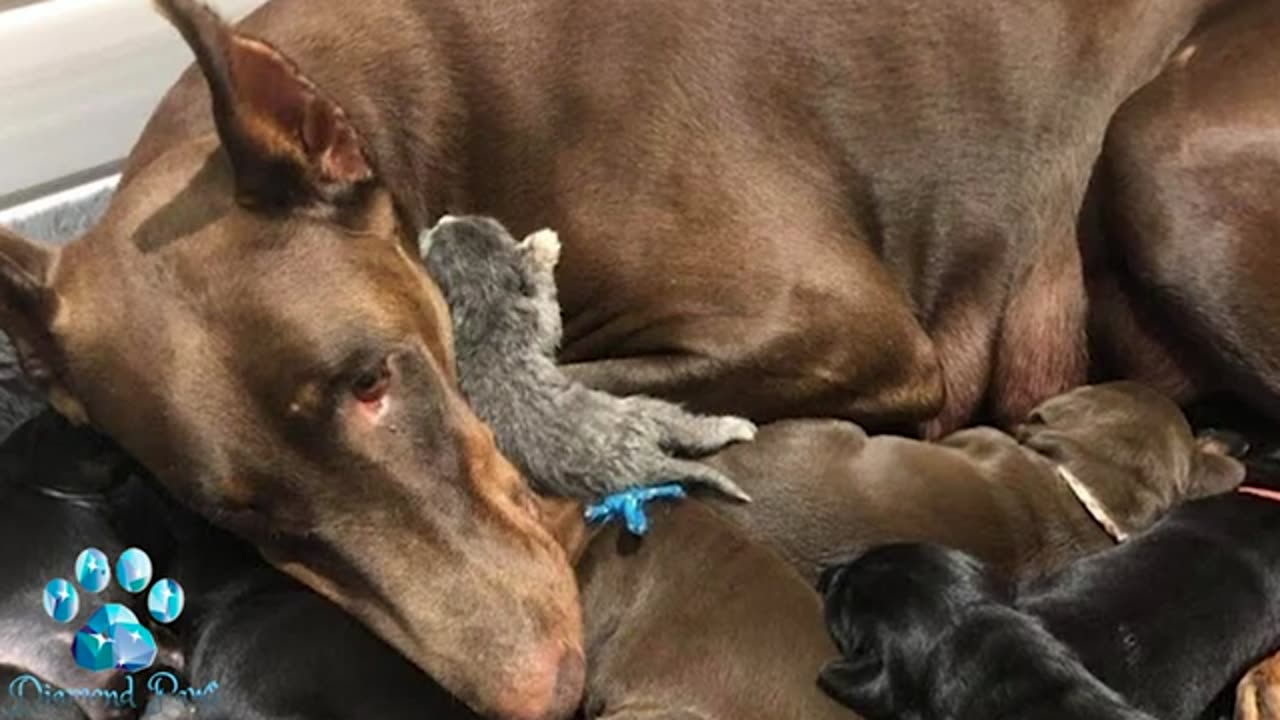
{"points": [[1191, 203]]}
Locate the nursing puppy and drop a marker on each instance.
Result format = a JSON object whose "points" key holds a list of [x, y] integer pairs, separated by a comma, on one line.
{"points": [[1088, 468], [1178, 614], [928, 633], [695, 622], [275, 650], [567, 439]]}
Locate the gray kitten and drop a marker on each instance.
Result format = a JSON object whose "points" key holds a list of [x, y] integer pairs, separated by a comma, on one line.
{"points": [[566, 438]]}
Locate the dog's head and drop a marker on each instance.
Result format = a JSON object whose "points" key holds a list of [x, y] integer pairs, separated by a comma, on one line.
{"points": [[495, 286], [886, 612], [250, 320], [1131, 447]]}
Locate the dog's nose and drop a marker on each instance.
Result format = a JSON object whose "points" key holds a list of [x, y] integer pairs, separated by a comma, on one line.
{"points": [[829, 577], [551, 687]]}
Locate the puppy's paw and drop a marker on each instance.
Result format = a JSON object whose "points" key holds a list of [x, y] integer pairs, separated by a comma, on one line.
{"points": [[544, 249], [1258, 694]]}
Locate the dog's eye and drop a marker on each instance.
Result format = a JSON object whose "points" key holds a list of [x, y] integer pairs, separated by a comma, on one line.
{"points": [[372, 385]]}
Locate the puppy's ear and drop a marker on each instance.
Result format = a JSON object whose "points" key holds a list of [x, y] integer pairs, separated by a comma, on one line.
{"points": [[1213, 473], [862, 685]]}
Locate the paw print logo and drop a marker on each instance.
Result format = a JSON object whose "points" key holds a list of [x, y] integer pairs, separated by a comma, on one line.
{"points": [[113, 638]]}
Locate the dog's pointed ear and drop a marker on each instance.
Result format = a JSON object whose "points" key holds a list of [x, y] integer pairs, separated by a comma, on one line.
{"points": [[28, 306], [289, 143]]}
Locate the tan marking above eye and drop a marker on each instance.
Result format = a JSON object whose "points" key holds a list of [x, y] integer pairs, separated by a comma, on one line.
{"points": [[306, 400]]}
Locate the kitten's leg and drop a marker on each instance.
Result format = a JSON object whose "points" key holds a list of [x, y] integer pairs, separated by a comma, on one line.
{"points": [[692, 472], [653, 714], [684, 433]]}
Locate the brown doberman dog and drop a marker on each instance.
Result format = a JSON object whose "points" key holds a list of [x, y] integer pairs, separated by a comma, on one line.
{"points": [[769, 208], [1188, 196]]}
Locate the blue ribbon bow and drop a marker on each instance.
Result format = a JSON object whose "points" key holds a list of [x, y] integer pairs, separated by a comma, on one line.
{"points": [[629, 504]]}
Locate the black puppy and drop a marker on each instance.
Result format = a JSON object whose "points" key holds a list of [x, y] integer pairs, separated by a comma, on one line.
{"points": [[1178, 614], [269, 648], [928, 633], [62, 490]]}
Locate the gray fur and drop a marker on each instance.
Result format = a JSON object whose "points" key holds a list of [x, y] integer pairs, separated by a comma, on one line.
{"points": [[566, 438]]}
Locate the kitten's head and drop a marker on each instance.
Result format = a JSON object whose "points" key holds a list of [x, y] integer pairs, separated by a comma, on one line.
{"points": [[886, 611], [492, 282]]}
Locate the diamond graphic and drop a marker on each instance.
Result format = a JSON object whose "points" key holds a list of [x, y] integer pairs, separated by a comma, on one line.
{"points": [[93, 572], [133, 570], [61, 601], [166, 600], [113, 638]]}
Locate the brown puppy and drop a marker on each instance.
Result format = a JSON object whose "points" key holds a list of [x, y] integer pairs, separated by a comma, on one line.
{"points": [[1088, 468], [1258, 694], [694, 621]]}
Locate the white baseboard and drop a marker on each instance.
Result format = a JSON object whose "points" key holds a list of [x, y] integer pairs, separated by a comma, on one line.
{"points": [[78, 82]]}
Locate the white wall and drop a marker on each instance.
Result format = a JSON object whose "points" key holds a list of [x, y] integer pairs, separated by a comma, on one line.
{"points": [[78, 79]]}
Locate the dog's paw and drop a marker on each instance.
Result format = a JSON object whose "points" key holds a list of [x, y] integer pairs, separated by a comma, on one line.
{"points": [[113, 638], [1258, 693], [544, 249]]}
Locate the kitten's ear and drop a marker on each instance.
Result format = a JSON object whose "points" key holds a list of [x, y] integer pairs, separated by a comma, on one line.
{"points": [[862, 685], [425, 240], [543, 248]]}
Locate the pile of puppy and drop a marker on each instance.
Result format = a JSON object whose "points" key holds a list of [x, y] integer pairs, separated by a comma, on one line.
{"points": [[1051, 572]]}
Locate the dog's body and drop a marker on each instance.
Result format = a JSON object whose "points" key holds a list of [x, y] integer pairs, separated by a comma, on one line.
{"points": [[1178, 614], [823, 491], [928, 633], [846, 317], [567, 439]]}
